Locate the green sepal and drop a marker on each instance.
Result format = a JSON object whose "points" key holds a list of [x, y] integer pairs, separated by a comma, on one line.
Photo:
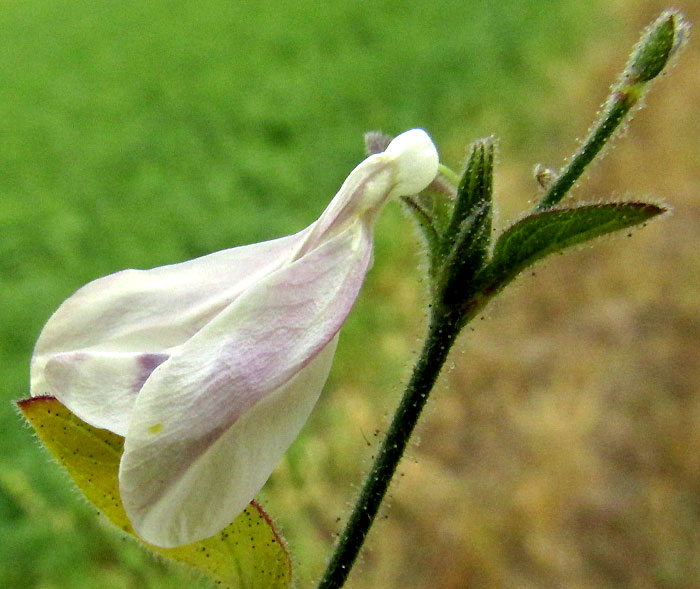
{"points": [[466, 241], [438, 199], [247, 554], [431, 210], [543, 233], [475, 192], [429, 229], [466, 258]]}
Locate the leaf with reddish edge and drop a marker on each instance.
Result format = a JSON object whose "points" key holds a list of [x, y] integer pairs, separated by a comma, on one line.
{"points": [[247, 554]]}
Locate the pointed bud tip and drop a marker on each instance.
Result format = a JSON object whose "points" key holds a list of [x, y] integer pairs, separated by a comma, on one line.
{"points": [[416, 159], [659, 43]]}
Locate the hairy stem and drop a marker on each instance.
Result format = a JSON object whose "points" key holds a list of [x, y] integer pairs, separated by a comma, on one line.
{"points": [[441, 335], [620, 105]]}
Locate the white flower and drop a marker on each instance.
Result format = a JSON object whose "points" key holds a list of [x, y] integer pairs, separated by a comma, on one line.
{"points": [[209, 368]]}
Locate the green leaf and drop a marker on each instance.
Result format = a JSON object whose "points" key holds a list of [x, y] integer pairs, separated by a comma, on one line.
{"points": [[543, 233], [247, 554]]}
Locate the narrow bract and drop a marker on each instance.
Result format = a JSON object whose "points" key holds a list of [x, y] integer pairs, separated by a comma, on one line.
{"points": [[209, 368]]}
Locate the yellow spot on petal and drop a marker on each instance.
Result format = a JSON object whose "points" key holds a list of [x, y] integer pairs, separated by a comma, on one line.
{"points": [[154, 429]]}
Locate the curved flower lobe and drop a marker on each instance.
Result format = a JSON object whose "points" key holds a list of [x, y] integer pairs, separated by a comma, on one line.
{"points": [[210, 368]]}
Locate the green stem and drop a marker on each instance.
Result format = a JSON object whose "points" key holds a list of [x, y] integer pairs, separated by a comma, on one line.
{"points": [[619, 106], [441, 335], [659, 42], [448, 173]]}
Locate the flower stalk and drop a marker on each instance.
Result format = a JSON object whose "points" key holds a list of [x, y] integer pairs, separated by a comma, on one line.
{"points": [[442, 333], [659, 44]]}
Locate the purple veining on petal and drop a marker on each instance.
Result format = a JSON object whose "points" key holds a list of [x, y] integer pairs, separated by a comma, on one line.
{"points": [[147, 364]]}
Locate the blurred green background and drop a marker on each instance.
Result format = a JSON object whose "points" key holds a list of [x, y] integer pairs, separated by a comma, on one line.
{"points": [[561, 448]]}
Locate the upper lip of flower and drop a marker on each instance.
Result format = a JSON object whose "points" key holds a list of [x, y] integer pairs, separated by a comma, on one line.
{"points": [[209, 368]]}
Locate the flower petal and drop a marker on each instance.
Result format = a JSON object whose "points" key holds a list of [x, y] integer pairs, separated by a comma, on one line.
{"points": [[100, 387], [212, 480], [251, 349], [416, 160], [143, 310], [408, 165]]}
